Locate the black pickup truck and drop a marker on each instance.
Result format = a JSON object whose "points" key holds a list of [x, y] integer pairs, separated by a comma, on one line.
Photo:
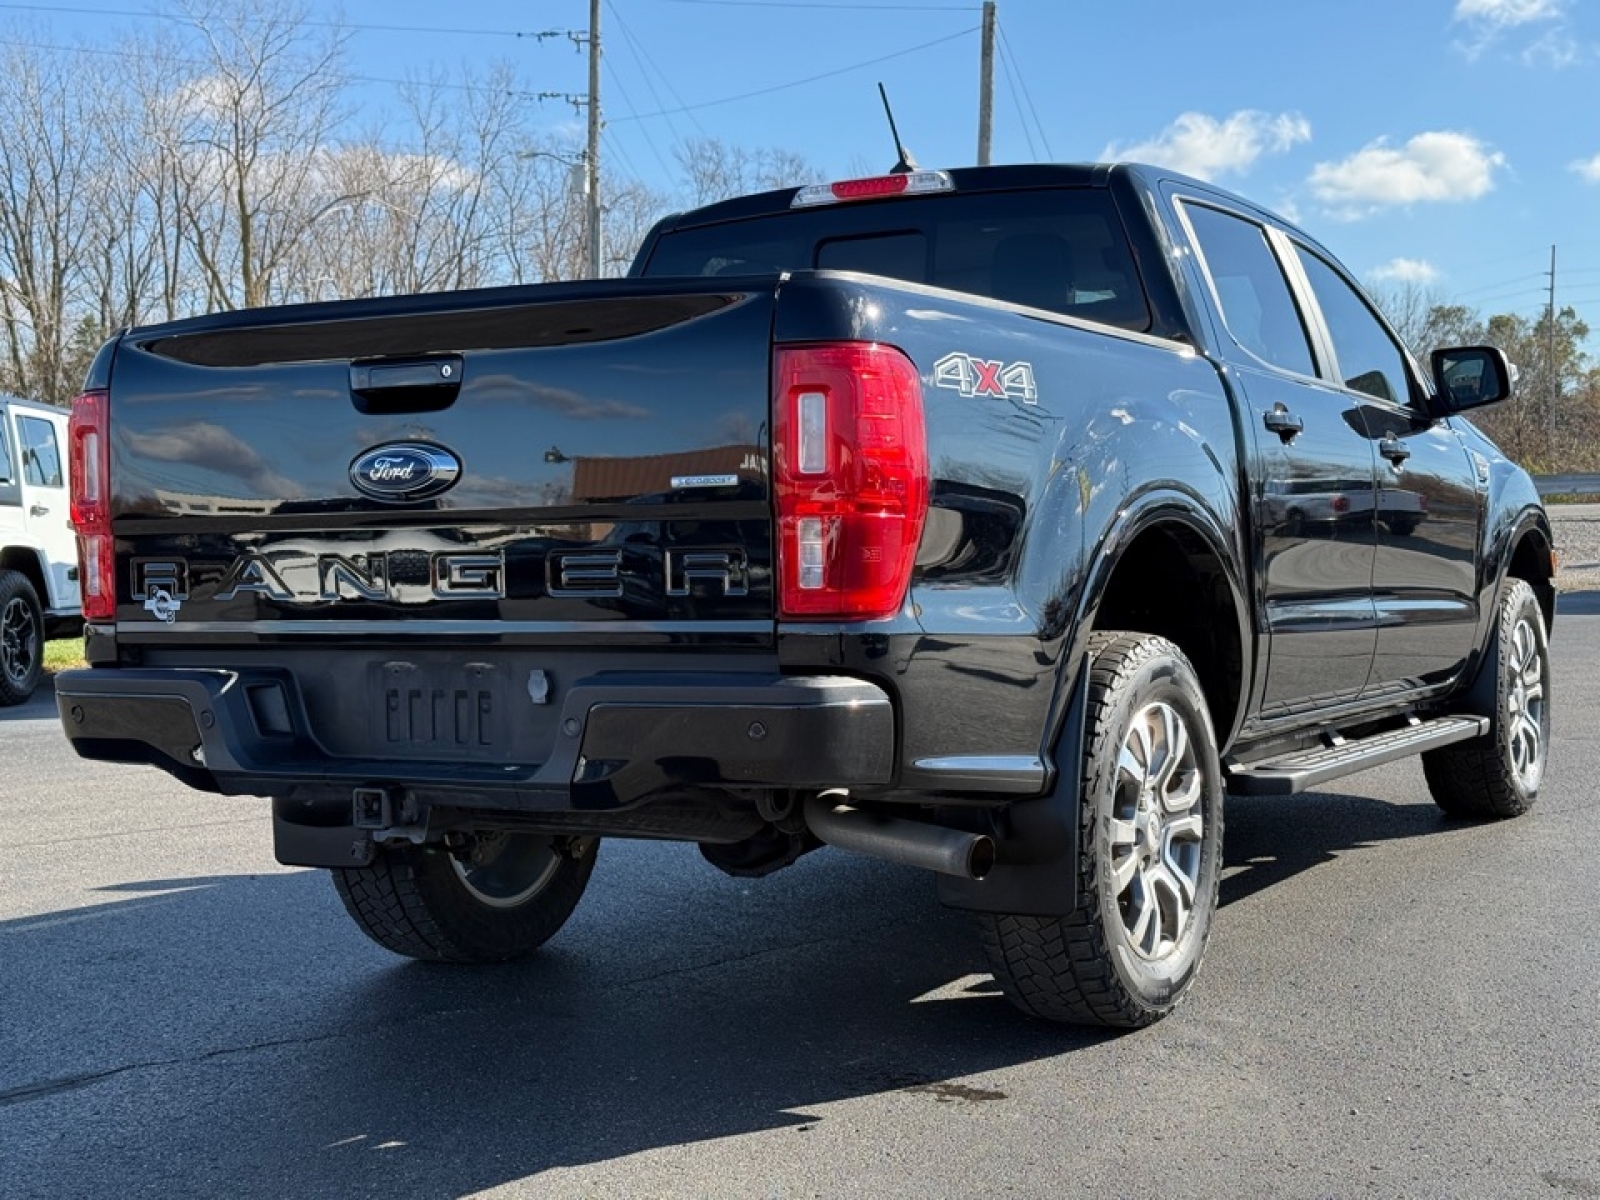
{"points": [[995, 521]]}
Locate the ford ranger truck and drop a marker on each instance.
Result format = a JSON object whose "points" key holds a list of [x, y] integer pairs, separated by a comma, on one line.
{"points": [[943, 517]]}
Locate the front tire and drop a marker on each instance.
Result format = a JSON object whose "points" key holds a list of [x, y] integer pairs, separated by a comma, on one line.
{"points": [[501, 899], [1149, 853], [1498, 774], [21, 638]]}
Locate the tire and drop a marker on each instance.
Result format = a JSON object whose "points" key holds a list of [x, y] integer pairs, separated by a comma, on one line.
{"points": [[1146, 871], [1498, 774], [424, 902], [21, 638]]}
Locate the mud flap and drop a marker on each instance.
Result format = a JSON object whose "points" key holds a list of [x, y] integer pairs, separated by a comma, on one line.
{"points": [[303, 837], [1035, 872]]}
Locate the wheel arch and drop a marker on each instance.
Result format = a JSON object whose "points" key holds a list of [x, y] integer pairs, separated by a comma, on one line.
{"points": [[1167, 536], [1530, 557], [1151, 568], [25, 561]]}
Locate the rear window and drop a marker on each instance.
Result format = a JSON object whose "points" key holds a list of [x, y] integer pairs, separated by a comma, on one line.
{"points": [[1059, 249]]}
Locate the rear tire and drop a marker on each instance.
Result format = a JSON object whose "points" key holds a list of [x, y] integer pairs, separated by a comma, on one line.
{"points": [[505, 902], [1149, 853], [1498, 774], [21, 638]]}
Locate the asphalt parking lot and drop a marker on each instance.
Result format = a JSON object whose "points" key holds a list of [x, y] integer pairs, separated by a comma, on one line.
{"points": [[1393, 1004]]}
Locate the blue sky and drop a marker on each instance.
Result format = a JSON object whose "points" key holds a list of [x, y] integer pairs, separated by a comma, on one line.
{"points": [[1449, 142]]}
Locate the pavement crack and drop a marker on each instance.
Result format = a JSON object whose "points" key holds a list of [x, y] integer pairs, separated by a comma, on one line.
{"points": [[117, 833], [70, 1083]]}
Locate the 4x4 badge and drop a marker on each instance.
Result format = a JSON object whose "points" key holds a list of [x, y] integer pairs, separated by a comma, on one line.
{"points": [[986, 377]]}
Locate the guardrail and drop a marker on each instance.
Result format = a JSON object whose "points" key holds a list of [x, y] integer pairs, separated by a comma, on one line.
{"points": [[1567, 485]]}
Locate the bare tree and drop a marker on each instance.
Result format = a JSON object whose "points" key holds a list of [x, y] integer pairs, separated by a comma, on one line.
{"points": [[50, 162], [630, 210], [215, 169], [251, 130], [714, 170]]}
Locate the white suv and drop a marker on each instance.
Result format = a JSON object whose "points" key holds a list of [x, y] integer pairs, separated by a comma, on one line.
{"points": [[38, 552]]}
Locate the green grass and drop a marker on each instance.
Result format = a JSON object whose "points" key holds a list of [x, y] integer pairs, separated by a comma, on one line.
{"points": [[63, 653]]}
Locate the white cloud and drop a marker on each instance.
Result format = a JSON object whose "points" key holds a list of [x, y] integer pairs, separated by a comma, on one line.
{"points": [[1491, 22], [1405, 270], [1205, 147], [1431, 167], [1556, 50], [1506, 13], [1589, 168]]}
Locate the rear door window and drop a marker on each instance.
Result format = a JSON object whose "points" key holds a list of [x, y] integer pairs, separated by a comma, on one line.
{"points": [[1059, 249], [1251, 291]]}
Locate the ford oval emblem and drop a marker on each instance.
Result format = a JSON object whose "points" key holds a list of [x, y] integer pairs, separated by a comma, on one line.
{"points": [[401, 472]]}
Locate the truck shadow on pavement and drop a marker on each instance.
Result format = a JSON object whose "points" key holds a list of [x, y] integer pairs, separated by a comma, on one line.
{"points": [[237, 1035], [1271, 839]]}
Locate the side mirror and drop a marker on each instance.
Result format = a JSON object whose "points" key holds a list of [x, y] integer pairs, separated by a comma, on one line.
{"points": [[1470, 377]]}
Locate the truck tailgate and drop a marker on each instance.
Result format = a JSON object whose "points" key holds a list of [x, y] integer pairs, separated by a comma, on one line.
{"points": [[525, 465]]}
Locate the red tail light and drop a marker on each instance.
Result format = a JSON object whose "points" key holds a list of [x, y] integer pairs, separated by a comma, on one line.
{"points": [[850, 454], [89, 465]]}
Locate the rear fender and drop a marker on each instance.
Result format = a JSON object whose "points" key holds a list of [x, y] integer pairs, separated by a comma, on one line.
{"points": [[1038, 839]]}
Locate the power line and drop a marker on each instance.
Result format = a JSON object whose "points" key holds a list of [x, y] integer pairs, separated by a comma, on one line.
{"points": [[514, 93], [627, 99], [1509, 297], [641, 58], [1016, 101], [851, 7], [621, 152], [542, 35], [782, 87], [1504, 283], [1005, 44], [641, 54]]}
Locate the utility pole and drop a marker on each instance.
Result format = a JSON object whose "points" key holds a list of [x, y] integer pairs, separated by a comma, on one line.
{"points": [[1550, 360], [592, 159], [986, 85]]}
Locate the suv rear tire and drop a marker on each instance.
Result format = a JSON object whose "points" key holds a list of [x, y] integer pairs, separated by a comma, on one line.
{"points": [[21, 638]]}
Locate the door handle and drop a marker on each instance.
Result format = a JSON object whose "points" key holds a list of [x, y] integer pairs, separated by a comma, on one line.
{"points": [[1394, 450], [1283, 422], [412, 385], [38, 510]]}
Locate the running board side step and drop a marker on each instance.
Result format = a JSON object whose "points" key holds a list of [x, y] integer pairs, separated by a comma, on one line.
{"points": [[1308, 768]]}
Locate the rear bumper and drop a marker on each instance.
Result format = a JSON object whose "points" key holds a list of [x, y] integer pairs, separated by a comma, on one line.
{"points": [[619, 738]]}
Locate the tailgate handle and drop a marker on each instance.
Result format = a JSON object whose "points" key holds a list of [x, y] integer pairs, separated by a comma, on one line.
{"points": [[406, 385]]}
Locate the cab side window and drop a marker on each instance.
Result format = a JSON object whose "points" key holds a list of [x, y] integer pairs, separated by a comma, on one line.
{"points": [[1251, 291], [41, 462], [1369, 359], [5, 452]]}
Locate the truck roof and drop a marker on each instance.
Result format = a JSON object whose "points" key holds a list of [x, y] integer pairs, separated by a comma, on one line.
{"points": [[974, 179]]}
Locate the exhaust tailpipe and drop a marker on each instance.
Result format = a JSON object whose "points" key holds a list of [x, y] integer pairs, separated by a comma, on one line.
{"points": [[895, 839]]}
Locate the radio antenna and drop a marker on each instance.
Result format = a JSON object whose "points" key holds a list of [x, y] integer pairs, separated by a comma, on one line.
{"points": [[905, 164]]}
